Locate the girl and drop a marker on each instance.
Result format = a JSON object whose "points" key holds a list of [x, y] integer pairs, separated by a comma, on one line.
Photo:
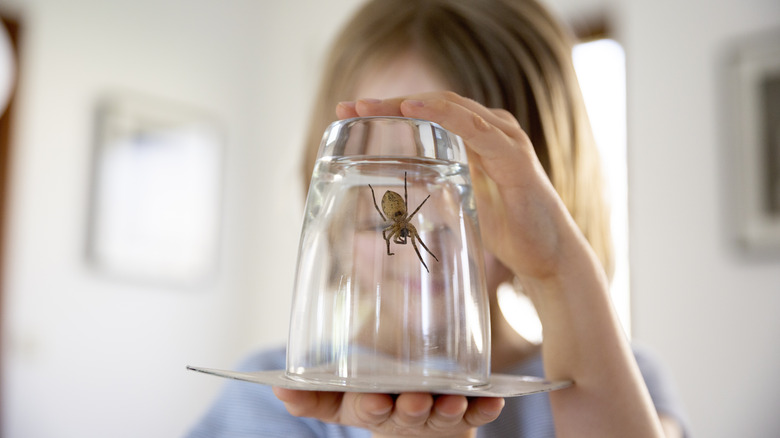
{"points": [[499, 74]]}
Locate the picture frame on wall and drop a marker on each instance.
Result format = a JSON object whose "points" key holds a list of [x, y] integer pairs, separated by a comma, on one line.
{"points": [[755, 77], [156, 191]]}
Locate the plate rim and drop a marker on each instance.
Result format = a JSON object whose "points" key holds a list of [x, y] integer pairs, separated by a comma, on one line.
{"points": [[500, 385]]}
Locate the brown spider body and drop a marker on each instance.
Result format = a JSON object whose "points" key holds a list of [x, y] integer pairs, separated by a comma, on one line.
{"points": [[393, 205], [400, 228]]}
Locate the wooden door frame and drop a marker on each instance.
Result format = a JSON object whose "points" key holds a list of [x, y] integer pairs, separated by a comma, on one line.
{"points": [[6, 139]]}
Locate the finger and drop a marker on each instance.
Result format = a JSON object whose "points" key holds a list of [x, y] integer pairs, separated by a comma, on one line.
{"points": [[494, 135], [506, 117], [367, 409], [459, 115], [507, 160], [346, 110], [483, 410], [379, 107], [472, 126], [447, 412], [499, 117], [391, 107], [412, 409], [316, 404], [369, 107]]}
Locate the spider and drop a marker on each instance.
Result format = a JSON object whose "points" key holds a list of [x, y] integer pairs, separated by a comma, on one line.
{"points": [[400, 227]]}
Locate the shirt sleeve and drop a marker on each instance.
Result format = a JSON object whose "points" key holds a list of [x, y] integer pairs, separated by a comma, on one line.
{"points": [[661, 387], [245, 409]]}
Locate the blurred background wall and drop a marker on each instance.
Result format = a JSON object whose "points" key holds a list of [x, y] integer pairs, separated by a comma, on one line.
{"points": [[86, 355]]}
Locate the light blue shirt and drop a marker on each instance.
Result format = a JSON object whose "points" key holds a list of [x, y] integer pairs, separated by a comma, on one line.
{"points": [[246, 409]]}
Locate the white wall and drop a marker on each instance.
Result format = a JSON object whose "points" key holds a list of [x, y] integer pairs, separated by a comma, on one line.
{"points": [[86, 355], [709, 309], [89, 356], [705, 306]]}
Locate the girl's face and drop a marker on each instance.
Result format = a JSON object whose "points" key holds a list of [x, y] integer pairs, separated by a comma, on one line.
{"points": [[406, 74]]}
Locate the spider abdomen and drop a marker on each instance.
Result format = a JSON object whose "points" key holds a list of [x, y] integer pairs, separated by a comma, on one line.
{"points": [[393, 205]]}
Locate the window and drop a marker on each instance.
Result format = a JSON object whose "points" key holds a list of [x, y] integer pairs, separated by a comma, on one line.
{"points": [[600, 66]]}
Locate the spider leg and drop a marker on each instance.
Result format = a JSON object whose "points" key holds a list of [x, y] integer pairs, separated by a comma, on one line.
{"points": [[418, 208], [418, 252], [387, 238], [416, 235], [375, 204], [406, 198]]}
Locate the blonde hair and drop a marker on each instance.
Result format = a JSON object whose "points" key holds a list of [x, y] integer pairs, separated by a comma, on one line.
{"points": [[509, 54]]}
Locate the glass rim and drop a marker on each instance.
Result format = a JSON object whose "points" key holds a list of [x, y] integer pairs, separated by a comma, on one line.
{"points": [[433, 140]]}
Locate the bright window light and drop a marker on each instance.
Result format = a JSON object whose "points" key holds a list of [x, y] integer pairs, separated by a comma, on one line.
{"points": [[600, 67]]}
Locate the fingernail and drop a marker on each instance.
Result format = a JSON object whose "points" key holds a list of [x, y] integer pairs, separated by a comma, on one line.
{"points": [[371, 100], [380, 411], [349, 104], [412, 102], [450, 415], [493, 412], [373, 406]]}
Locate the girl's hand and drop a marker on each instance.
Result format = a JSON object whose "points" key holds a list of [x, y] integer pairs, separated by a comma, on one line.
{"points": [[409, 414], [523, 220]]}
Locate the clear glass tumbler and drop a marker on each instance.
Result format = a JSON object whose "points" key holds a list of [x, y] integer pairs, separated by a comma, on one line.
{"points": [[390, 286]]}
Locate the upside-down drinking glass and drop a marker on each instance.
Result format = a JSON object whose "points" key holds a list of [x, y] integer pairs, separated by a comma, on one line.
{"points": [[390, 287]]}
